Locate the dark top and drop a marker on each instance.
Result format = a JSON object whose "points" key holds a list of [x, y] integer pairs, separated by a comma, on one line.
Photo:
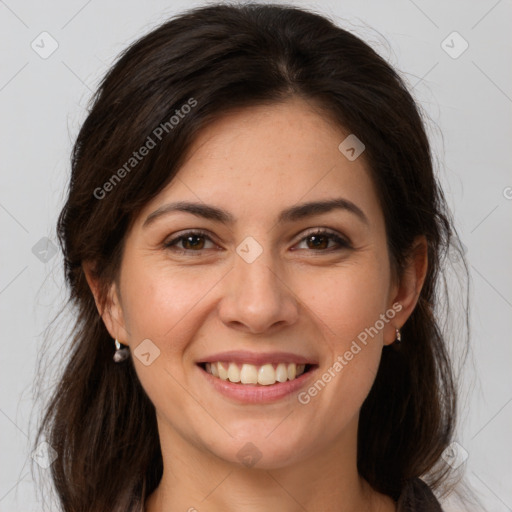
{"points": [[416, 496]]}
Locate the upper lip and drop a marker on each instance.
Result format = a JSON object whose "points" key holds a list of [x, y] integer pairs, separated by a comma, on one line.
{"points": [[257, 359]]}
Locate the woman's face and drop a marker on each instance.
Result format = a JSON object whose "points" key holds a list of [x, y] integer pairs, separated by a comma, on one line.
{"points": [[257, 287]]}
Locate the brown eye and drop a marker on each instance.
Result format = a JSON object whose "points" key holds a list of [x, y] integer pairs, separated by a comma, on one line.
{"points": [[193, 241], [319, 241]]}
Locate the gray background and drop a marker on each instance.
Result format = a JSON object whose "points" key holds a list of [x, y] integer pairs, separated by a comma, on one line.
{"points": [[467, 98]]}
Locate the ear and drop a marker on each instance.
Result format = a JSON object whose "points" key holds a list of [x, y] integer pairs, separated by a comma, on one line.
{"points": [[111, 312], [405, 294]]}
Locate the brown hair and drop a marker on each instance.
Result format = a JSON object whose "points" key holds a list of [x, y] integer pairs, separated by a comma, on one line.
{"points": [[224, 57]]}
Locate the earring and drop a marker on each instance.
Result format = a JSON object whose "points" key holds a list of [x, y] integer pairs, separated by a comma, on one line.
{"points": [[121, 353], [398, 336]]}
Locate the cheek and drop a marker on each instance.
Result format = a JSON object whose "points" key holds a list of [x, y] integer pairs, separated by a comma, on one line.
{"points": [[161, 300], [166, 304], [348, 300]]}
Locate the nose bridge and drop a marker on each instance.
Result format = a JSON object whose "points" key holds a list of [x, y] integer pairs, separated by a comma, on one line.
{"points": [[258, 296], [259, 275]]}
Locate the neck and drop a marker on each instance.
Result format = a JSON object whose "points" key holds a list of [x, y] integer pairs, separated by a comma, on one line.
{"points": [[195, 480]]}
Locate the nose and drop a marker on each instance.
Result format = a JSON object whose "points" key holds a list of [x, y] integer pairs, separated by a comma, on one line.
{"points": [[257, 297]]}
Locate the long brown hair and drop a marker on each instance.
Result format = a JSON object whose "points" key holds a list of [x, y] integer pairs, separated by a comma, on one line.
{"points": [[222, 57]]}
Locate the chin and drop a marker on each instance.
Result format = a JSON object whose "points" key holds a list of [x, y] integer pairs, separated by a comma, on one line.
{"points": [[262, 452]]}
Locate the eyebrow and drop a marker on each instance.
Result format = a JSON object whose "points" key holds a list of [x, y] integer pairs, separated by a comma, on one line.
{"points": [[292, 214]]}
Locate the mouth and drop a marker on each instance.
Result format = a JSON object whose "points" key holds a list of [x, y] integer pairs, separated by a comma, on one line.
{"points": [[267, 374]]}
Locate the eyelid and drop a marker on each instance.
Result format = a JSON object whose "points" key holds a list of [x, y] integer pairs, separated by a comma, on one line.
{"points": [[342, 241], [191, 232], [326, 231]]}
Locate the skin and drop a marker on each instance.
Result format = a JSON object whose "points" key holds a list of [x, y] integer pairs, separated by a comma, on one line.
{"points": [[310, 301]]}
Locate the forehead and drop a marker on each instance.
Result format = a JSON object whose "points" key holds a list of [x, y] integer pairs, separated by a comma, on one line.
{"points": [[265, 158]]}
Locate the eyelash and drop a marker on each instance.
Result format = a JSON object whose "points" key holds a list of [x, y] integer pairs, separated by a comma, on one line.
{"points": [[342, 243]]}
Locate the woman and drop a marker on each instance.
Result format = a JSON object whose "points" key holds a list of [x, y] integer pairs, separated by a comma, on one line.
{"points": [[253, 240]]}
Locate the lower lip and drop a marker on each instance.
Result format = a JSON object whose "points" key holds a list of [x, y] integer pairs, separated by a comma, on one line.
{"points": [[252, 394]]}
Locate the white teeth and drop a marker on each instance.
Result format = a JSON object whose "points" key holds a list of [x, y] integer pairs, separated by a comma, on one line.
{"points": [[281, 373], [223, 370], [264, 375], [233, 372], [249, 374]]}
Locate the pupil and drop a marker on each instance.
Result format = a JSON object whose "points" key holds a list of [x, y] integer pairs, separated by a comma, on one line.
{"points": [[317, 238], [191, 237]]}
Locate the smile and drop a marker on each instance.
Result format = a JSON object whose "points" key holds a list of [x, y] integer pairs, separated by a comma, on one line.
{"points": [[246, 373]]}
